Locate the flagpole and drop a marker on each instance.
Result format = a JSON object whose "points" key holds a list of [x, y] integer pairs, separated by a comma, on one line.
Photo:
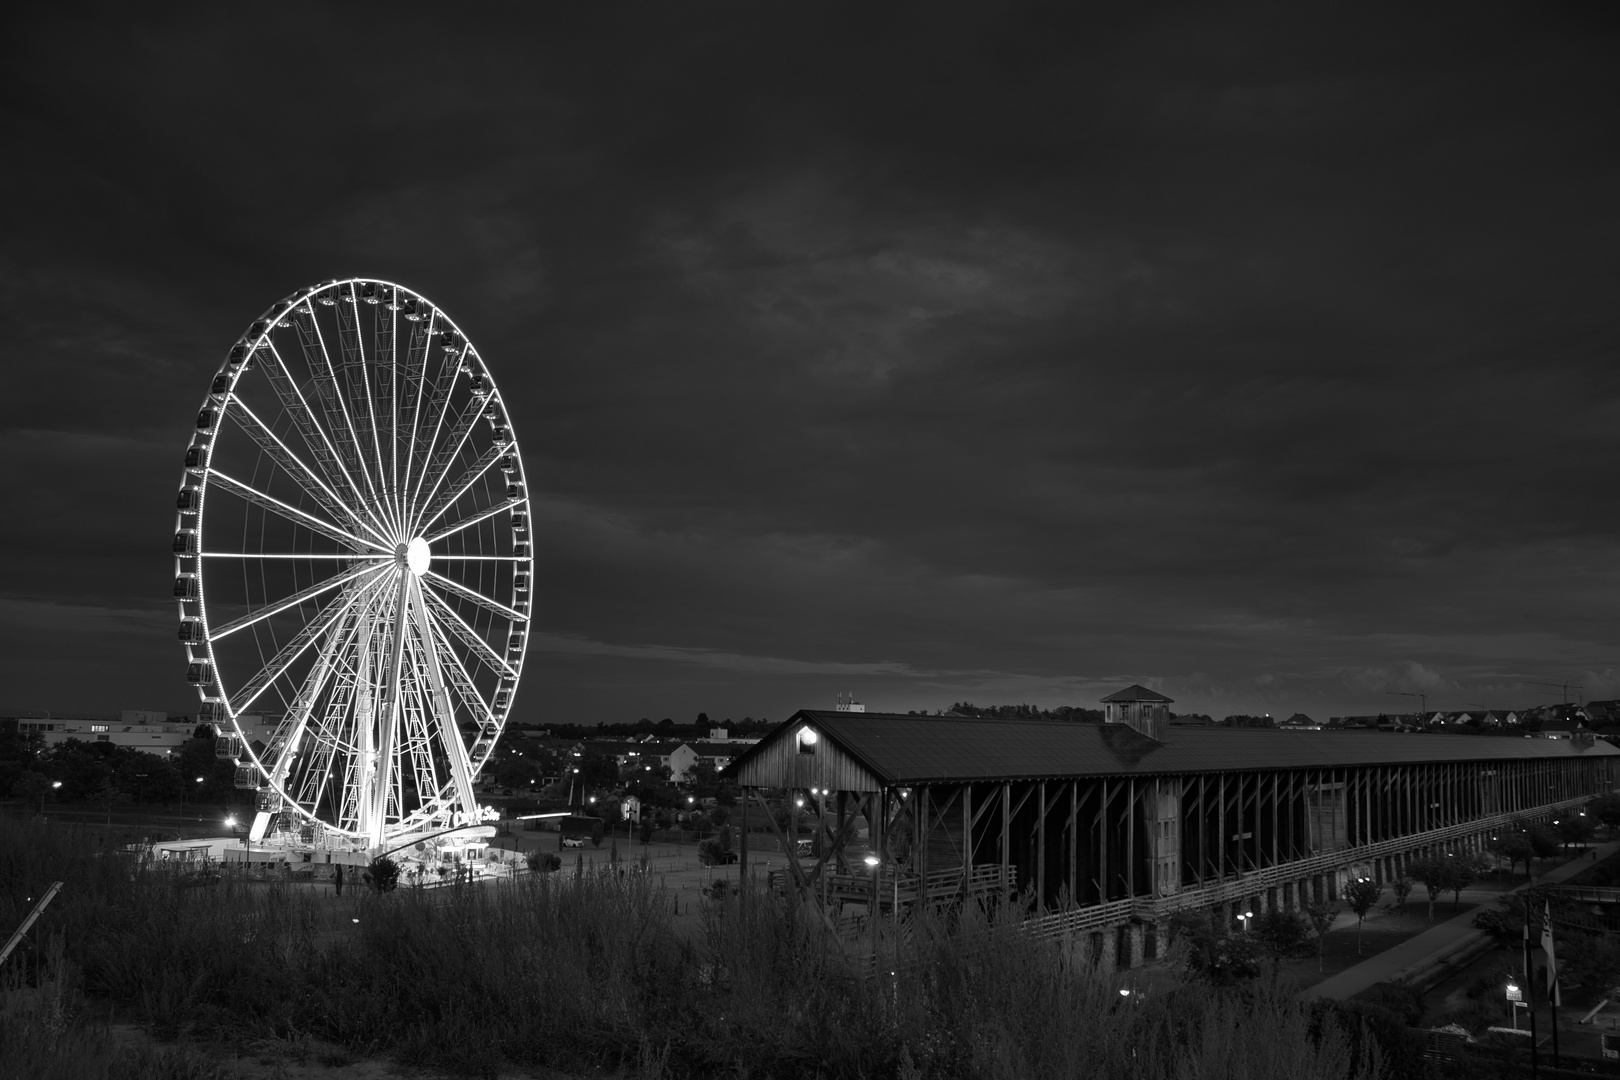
{"points": [[1530, 992], [1553, 988]]}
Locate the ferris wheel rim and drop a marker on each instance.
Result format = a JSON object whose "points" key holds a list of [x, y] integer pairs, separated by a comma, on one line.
{"points": [[387, 538]]}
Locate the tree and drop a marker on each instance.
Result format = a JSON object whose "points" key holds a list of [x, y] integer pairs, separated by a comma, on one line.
{"points": [[1544, 843], [1213, 954], [1606, 809], [596, 833], [1514, 847], [32, 787], [1282, 934], [1361, 895], [1576, 828], [382, 874], [1402, 888], [703, 778], [1321, 917], [714, 850], [1467, 869], [1436, 875]]}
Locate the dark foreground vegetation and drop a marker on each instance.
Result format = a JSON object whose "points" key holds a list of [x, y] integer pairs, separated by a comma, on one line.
{"points": [[586, 975]]}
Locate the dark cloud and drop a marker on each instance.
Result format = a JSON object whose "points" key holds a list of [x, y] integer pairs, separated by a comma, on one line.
{"points": [[1265, 355]]}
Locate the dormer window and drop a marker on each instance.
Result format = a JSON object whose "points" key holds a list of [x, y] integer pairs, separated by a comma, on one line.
{"points": [[807, 740]]}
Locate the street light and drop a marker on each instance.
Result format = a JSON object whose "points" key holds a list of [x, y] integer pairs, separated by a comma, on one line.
{"points": [[1246, 916]]}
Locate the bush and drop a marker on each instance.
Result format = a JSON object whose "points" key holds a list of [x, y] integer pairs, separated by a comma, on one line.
{"points": [[543, 862], [1475, 1016], [1403, 1001], [1400, 1049], [382, 874]]}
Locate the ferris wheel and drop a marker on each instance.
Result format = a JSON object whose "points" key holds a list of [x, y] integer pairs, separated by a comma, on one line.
{"points": [[353, 565]]}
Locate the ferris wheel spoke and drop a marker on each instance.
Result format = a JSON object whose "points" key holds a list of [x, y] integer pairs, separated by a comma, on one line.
{"points": [[388, 395], [475, 597], [284, 744], [466, 689], [440, 459], [354, 372], [469, 637], [335, 402], [290, 652], [477, 558], [299, 597], [450, 530], [349, 556], [449, 732], [446, 499], [305, 477], [415, 388], [315, 437], [388, 714], [291, 513]]}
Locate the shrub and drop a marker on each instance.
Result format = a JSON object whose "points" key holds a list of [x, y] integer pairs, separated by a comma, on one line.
{"points": [[382, 874]]}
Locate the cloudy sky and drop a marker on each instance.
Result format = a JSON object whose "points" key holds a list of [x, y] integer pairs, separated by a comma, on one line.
{"points": [[1261, 354]]}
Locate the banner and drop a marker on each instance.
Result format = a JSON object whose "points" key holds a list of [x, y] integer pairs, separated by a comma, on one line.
{"points": [[1552, 961]]}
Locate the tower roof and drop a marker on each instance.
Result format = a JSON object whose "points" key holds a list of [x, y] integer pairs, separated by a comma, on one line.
{"points": [[1135, 692]]}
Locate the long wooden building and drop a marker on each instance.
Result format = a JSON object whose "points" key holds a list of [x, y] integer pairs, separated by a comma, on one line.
{"points": [[1109, 828]]}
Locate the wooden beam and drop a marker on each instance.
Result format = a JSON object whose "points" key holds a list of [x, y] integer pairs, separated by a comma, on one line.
{"points": [[1040, 849], [795, 871], [1074, 842]]}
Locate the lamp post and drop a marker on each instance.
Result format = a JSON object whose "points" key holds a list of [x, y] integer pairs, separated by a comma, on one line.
{"points": [[1515, 998], [1246, 916], [55, 785]]}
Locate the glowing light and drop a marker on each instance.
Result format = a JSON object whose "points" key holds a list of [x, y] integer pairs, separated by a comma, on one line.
{"points": [[417, 556]]}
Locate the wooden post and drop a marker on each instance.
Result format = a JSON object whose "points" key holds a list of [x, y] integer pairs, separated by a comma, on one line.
{"points": [[742, 863], [1074, 842], [967, 836], [1130, 839], [1006, 838], [1040, 847]]}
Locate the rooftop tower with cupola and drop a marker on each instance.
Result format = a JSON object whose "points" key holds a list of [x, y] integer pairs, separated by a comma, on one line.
{"points": [[1138, 708]]}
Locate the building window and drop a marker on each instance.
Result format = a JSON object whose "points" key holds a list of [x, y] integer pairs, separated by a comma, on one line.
{"points": [[807, 740], [98, 727]]}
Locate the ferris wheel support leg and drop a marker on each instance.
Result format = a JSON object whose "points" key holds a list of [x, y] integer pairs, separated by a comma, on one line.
{"points": [[449, 731], [388, 728]]}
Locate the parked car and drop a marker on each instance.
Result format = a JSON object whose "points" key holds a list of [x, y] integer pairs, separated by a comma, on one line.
{"points": [[573, 841]]}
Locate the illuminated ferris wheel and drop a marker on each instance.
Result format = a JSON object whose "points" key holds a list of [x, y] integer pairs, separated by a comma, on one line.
{"points": [[353, 565]]}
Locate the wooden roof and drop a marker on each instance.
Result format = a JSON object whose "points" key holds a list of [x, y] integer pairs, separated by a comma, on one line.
{"points": [[890, 749], [1135, 692]]}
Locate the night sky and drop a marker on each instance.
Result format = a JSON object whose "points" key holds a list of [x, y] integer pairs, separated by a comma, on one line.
{"points": [[1265, 355]]}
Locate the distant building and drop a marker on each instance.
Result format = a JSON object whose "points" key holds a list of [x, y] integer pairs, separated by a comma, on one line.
{"points": [[1299, 722], [156, 732], [685, 756]]}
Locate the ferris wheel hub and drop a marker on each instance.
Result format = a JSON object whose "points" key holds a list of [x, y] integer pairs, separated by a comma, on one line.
{"points": [[417, 556]]}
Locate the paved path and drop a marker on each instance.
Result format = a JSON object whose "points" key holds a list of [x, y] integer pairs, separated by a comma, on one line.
{"points": [[1438, 939]]}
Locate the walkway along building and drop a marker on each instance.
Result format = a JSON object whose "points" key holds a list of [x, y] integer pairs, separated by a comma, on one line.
{"points": [[1112, 827]]}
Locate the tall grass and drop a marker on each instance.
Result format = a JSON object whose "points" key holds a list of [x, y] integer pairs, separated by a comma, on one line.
{"points": [[590, 975]]}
